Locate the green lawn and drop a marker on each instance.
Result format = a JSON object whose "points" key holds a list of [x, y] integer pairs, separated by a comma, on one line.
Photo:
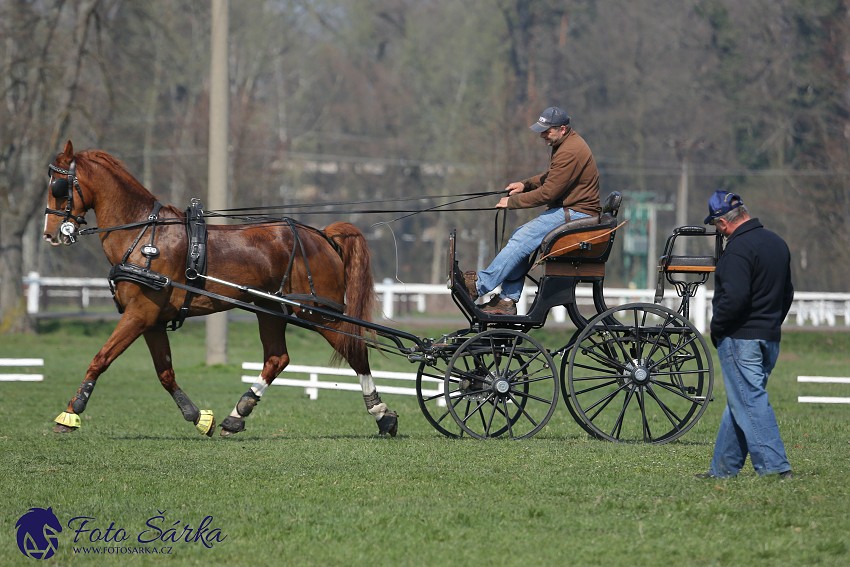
{"points": [[309, 482]]}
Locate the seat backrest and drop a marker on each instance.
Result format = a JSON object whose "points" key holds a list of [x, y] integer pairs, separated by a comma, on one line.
{"points": [[611, 206], [581, 247]]}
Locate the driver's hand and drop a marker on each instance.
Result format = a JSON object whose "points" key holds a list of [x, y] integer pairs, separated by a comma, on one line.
{"points": [[515, 187]]}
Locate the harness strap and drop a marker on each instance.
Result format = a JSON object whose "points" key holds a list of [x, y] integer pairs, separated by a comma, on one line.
{"points": [[296, 240], [196, 259], [152, 218], [321, 301]]}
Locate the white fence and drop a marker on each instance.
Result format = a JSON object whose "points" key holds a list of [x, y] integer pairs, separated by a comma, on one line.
{"points": [[21, 363], [823, 399], [313, 384], [809, 308]]}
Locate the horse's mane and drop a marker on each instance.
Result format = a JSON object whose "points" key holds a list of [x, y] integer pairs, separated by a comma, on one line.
{"points": [[90, 160]]}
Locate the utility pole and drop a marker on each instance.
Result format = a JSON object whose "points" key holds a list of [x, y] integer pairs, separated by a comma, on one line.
{"points": [[685, 150], [218, 161], [682, 194]]}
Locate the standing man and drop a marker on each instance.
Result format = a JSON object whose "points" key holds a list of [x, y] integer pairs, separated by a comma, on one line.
{"points": [[569, 190], [752, 295]]}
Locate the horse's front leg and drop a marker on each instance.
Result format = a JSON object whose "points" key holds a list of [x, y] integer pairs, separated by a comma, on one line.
{"points": [[275, 357], [128, 330], [160, 349]]}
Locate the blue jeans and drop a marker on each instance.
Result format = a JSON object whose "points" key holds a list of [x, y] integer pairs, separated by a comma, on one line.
{"points": [[748, 424], [510, 265]]}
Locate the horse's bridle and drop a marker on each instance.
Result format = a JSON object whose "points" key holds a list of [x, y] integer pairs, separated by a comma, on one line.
{"points": [[63, 188]]}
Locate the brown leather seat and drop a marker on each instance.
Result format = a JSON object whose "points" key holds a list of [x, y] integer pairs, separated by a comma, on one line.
{"points": [[581, 247]]}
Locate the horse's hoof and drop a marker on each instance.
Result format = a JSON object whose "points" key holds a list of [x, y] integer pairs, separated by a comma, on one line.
{"points": [[232, 425], [206, 423], [388, 424], [67, 422]]}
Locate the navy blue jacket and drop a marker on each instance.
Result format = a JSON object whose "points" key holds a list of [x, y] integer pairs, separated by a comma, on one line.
{"points": [[752, 285]]}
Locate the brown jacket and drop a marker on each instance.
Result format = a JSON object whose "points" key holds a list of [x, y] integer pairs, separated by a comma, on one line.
{"points": [[572, 181]]}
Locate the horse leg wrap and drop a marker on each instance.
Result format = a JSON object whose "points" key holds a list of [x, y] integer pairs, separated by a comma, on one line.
{"points": [[387, 420], [374, 405], [247, 403], [81, 398], [189, 410]]}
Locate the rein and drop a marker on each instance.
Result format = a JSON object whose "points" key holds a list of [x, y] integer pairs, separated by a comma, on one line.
{"points": [[362, 202], [263, 217]]}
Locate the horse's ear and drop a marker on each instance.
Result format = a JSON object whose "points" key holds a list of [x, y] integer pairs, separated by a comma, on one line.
{"points": [[69, 149]]}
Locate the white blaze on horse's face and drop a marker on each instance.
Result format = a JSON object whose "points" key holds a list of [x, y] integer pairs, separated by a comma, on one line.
{"points": [[48, 234]]}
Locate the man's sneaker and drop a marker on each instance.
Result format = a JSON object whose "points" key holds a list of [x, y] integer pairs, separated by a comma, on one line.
{"points": [[787, 475], [499, 306], [470, 280]]}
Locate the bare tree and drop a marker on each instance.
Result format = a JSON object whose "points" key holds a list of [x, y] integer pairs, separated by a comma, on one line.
{"points": [[43, 52]]}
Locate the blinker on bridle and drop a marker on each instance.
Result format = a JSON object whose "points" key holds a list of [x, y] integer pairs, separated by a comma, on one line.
{"points": [[63, 188]]}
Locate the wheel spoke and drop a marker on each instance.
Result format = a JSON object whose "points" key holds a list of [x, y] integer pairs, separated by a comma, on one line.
{"points": [[674, 419], [525, 413], [510, 422], [477, 409]]}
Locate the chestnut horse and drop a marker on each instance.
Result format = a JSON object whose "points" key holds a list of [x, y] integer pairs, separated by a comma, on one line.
{"points": [[280, 258]]}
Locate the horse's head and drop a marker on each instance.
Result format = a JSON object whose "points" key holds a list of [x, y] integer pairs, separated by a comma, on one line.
{"points": [[66, 204]]}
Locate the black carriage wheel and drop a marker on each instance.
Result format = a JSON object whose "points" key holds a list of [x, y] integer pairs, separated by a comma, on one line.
{"points": [[501, 382], [432, 402], [565, 393], [639, 372]]}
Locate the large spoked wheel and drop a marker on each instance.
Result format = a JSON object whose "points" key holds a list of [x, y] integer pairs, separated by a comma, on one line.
{"points": [[432, 401], [639, 372], [501, 382]]}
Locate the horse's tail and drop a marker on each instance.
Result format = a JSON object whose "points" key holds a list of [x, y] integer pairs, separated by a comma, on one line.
{"points": [[359, 287]]}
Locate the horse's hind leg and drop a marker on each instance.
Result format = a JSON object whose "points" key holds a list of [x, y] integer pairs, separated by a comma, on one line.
{"points": [[275, 357], [160, 349], [356, 354]]}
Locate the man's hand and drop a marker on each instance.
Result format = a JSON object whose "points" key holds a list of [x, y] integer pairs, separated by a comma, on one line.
{"points": [[512, 189], [515, 187]]}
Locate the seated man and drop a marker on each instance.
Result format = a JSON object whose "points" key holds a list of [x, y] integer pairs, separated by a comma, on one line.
{"points": [[569, 189]]}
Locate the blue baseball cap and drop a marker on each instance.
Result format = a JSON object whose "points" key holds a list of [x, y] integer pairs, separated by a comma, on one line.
{"points": [[720, 203], [549, 118]]}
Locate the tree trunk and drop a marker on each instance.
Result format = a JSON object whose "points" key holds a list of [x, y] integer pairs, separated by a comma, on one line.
{"points": [[13, 309]]}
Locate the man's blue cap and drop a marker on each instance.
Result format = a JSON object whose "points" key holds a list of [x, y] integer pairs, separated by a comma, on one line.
{"points": [[549, 118], [721, 203]]}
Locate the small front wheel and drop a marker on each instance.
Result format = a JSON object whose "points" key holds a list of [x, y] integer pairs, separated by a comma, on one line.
{"points": [[501, 382]]}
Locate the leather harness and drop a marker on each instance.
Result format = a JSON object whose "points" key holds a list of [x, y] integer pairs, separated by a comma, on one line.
{"points": [[196, 265]]}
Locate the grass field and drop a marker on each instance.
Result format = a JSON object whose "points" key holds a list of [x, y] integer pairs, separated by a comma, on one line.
{"points": [[309, 482]]}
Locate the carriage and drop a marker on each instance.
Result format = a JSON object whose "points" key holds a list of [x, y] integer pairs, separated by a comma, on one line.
{"points": [[637, 372]]}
